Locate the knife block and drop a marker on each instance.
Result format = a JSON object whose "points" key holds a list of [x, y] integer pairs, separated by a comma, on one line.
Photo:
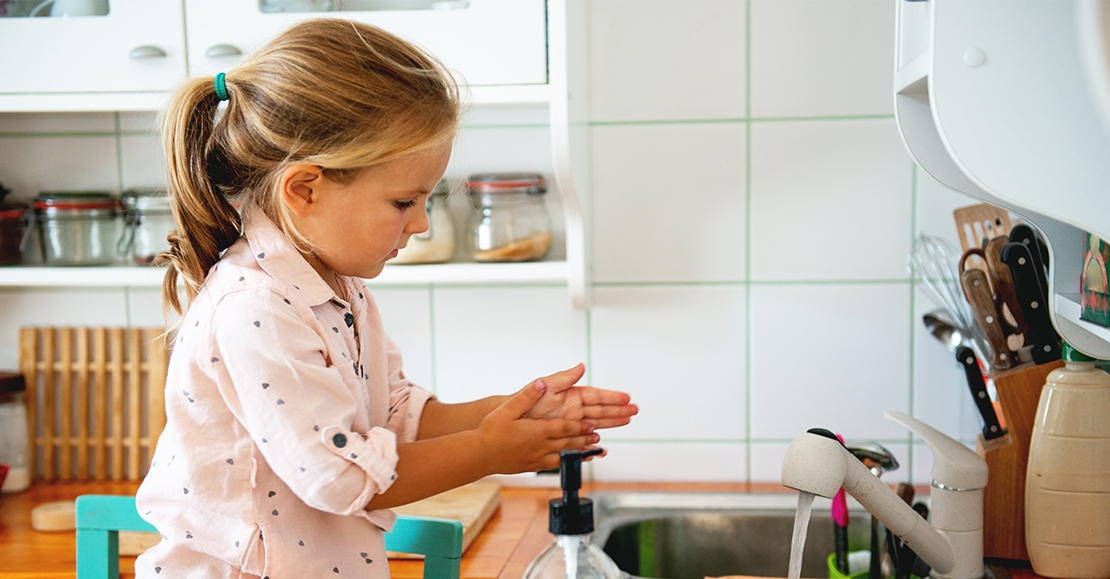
{"points": [[1019, 391]]}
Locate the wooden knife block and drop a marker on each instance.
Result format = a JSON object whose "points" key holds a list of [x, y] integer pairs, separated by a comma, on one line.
{"points": [[1019, 391]]}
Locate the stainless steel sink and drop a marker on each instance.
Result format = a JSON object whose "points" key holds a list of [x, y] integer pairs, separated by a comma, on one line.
{"points": [[698, 535]]}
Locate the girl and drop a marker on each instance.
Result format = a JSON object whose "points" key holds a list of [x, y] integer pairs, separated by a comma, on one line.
{"points": [[291, 426]]}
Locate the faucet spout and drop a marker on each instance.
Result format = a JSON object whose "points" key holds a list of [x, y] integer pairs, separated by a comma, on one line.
{"points": [[952, 545]]}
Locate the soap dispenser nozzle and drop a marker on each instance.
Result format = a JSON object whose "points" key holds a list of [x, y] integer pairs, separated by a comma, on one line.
{"points": [[571, 515]]}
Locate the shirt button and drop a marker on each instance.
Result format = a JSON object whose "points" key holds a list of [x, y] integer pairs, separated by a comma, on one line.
{"points": [[349, 318], [339, 440]]}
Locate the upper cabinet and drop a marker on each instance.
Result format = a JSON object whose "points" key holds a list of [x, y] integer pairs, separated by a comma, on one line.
{"points": [[1009, 103], [486, 42], [91, 49]]}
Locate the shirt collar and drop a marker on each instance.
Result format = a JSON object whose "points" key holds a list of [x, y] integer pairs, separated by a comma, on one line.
{"points": [[281, 260]]}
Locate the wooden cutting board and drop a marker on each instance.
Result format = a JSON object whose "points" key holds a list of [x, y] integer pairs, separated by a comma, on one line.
{"points": [[473, 505]]}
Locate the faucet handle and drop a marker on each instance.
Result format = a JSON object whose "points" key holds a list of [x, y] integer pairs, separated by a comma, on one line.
{"points": [[954, 465]]}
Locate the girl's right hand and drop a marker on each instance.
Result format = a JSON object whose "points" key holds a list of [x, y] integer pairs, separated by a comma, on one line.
{"points": [[517, 444]]}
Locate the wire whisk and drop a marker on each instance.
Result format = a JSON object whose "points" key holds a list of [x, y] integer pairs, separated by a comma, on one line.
{"points": [[936, 269]]}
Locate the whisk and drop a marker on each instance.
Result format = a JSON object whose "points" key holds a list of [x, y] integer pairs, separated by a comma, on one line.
{"points": [[935, 268]]}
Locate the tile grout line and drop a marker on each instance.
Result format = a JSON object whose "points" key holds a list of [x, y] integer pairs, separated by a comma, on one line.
{"points": [[432, 336], [746, 119], [748, 242]]}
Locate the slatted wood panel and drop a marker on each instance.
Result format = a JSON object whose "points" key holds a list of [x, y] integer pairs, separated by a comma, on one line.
{"points": [[95, 400]]}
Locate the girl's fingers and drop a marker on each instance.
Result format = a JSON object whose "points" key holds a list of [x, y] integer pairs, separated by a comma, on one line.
{"points": [[561, 381], [610, 411], [600, 423]]}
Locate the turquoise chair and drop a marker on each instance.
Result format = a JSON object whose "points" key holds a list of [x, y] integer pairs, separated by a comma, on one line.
{"points": [[100, 518]]}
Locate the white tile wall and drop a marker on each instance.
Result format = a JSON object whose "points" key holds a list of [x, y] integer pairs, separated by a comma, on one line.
{"points": [[690, 195], [668, 202], [667, 60], [830, 200], [817, 58], [680, 352]]}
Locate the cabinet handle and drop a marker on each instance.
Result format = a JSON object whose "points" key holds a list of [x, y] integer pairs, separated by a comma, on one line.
{"points": [[147, 52], [219, 50]]}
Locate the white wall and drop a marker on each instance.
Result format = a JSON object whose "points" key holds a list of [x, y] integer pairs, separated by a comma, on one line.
{"points": [[753, 208]]}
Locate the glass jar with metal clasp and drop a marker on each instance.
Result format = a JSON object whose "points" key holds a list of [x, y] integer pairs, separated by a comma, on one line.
{"points": [[148, 221], [77, 227], [437, 244], [510, 221]]}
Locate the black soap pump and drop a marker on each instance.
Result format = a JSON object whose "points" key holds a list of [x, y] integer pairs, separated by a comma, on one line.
{"points": [[571, 520]]}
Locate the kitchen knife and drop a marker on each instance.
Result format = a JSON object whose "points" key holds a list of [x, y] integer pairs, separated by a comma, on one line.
{"points": [[991, 427], [978, 294], [1025, 234], [1004, 291], [1023, 269]]}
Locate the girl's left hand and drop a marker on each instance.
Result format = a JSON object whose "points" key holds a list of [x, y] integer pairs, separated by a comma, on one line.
{"points": [[595, 406]]}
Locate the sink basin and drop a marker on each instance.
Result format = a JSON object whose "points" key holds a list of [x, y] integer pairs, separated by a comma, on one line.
{"points": [[696, 535]]}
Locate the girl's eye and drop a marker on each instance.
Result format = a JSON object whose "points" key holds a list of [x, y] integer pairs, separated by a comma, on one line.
{"points": [[402, 205]]}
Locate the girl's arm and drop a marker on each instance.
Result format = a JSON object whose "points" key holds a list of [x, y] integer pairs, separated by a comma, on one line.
{"points": [[503, 441]]}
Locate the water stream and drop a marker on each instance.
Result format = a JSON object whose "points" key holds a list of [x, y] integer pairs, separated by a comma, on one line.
{"points": [[801, 525], [570, 545]]}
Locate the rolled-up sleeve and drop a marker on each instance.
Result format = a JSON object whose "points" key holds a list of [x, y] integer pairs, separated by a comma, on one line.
{"points": [[406, 400], [272, 365]]}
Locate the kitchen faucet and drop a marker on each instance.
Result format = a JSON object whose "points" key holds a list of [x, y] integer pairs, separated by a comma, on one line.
{"points": [[816, 462]]}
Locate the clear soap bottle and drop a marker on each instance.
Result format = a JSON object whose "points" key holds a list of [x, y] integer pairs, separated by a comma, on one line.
{"points": [[1067, 484], [571, 520]]}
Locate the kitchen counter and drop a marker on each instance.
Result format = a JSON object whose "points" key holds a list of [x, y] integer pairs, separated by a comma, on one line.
{"points": [[514, 536]]}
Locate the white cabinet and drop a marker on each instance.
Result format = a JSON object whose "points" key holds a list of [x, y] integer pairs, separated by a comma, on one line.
{"points": [[508, 53], [997, 100], [134, 51], [485, 42]]}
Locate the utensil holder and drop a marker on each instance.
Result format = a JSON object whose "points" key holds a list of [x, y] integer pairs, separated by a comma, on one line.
{"points": [[1019, 390]]}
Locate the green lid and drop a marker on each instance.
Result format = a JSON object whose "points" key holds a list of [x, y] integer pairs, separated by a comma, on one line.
{"points": [[1070, 354]]}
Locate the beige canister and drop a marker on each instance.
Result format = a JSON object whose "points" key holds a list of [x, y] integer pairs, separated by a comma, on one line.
{"points": [[1067, 487]]}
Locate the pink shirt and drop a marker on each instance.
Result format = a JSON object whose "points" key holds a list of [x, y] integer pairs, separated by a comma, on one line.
{"points": [[285, 404]]}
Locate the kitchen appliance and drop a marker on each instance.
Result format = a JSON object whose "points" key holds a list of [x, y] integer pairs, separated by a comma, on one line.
{"points": [[510, 221], [77, 227], [148, 220]]}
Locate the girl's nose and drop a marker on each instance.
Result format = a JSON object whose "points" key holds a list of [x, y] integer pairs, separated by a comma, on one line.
{"points": [[419, 222]]}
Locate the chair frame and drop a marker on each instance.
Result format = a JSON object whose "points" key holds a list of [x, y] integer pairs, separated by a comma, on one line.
{"points": [[100, 518]]}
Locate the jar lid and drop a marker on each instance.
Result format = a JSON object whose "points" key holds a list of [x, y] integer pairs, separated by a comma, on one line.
{"points": [[13, 210], [147, 199], [75, 200], [530, 183], [12, 382]]}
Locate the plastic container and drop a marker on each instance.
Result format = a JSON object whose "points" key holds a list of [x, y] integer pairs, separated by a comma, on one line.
{"points": [[437, 244], [13, 433], [78, 227], [148, 220], [510, 221], [571, 520], [15, 228], [1067, 485]]}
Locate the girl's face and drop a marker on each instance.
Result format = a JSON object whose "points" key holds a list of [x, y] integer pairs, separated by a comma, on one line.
{"points": [[356, 227]]}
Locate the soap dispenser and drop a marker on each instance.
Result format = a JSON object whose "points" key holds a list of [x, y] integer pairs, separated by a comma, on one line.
{"points": [[1068, 477], [571, 520]]}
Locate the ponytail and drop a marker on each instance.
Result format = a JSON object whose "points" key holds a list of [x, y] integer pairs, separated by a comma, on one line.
{"points": [[207, 223]]}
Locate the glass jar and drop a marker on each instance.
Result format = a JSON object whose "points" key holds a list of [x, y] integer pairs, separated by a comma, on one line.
{"points": [[510, 220], [15, 228], [14, 446], [77, 227], [437, 244], [148, 220]]}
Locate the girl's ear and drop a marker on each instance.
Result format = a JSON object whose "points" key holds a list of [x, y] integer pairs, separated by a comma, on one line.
{"points": [[299, 187]]}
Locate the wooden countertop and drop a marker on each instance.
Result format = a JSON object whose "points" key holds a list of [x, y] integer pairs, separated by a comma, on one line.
{"points": [[514, 536]]}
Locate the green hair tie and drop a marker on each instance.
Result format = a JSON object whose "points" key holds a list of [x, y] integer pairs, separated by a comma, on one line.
{"points": [[221, 88]]}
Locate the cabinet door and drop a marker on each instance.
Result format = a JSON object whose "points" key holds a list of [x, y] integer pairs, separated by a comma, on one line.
{"points": [[139, 45], [485, 42]]}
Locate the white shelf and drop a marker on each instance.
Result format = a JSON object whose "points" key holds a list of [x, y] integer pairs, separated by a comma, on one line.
{"points": [[913, 77], [438, 274], [1068, 307]]}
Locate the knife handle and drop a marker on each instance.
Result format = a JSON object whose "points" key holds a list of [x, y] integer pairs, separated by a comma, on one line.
{"points": [[978, 293], [967, 359], [1027, 236], [1004, 286], [1046, 344]]}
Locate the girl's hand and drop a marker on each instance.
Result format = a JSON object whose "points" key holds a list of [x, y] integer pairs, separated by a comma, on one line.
{"points": [[594, 406], [515, 443]]}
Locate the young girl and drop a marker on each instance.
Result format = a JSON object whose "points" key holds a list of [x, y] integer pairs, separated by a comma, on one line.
{"points": [[291, 426]]}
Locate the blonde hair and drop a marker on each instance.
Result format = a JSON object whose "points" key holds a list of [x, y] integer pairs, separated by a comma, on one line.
{"points": [[334, 93]]}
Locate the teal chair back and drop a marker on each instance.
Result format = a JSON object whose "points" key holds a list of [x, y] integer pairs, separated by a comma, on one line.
{"points": [[100, 518]]}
